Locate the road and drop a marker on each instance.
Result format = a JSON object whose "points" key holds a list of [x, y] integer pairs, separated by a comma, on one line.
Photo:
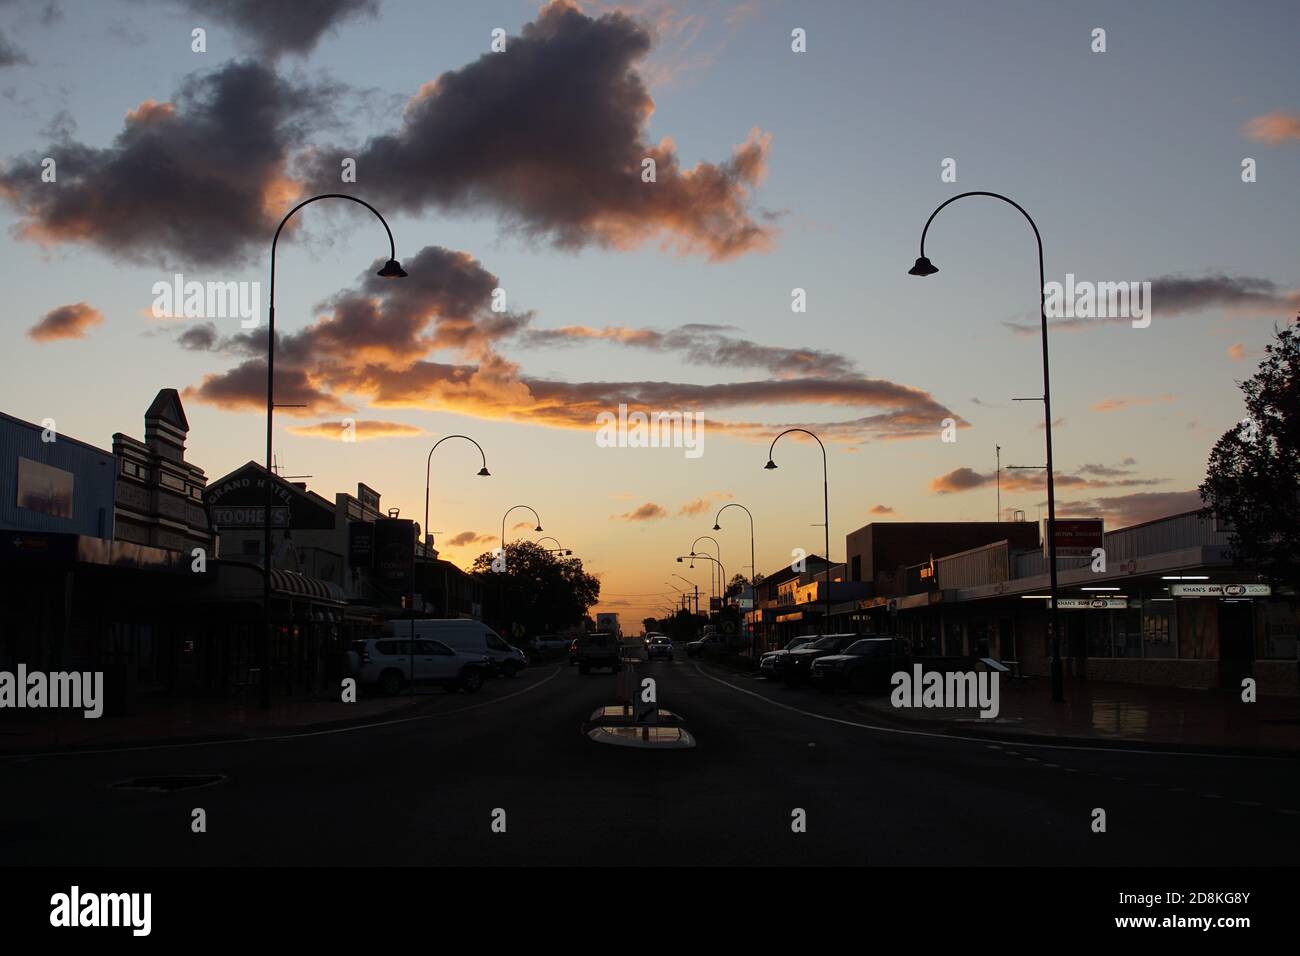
{"points": [[424, 791]]}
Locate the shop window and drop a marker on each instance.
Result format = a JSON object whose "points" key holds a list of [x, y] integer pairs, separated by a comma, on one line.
{"points": [[1280, 628], [1159, 634]]}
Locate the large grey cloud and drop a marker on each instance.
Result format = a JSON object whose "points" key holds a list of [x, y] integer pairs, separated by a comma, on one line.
{"points": [[199, 180], [281, 26], [551, 134]]}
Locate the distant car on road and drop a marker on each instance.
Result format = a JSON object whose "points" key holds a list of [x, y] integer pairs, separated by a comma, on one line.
{"points": [[659, 647], [386, 662], [770, 664], [864, 665], [798, 663], [651, 635], [599, 649]]}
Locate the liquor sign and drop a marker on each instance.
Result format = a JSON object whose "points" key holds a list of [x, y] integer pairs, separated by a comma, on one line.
{"points": [[1076, 537], [361, 544], [1220, 590], [394, 554]]}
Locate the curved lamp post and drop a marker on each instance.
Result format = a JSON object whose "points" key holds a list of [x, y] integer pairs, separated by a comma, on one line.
{"points": [[503, 552], [717, 548], [826, 512], [428, 463], [924, 267], [392, 270], [558, 549], [753, 571], [706, 557]]}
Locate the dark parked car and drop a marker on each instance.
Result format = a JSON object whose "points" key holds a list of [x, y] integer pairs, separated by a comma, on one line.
{"points": [[695, 648], [797, 664], [865, 665], [770, 664]]}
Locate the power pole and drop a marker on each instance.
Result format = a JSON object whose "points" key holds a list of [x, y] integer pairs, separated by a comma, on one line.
{"points": [[999, 448]]}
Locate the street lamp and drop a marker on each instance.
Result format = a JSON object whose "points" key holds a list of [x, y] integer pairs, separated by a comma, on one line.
{"points": [[753, 571], [392, 269], [428, 463], [720, 591], [707, 557], [483, 472], [826, 512], [924, 267], [503, 552], [558, 549]]}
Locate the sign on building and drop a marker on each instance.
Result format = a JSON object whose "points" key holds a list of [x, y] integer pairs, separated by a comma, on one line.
{"points": [[1220, 590], [1076, 537]]}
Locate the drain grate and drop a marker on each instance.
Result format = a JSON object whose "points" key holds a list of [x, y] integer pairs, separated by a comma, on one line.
{"points": [[170, 784]]}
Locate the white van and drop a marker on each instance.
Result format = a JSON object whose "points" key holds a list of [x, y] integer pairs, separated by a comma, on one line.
{"points": [[466, 636]]}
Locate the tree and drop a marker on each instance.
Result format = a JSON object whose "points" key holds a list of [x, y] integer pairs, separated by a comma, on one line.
{"points": [[738, 584], [1253, 475], [539, 591]]}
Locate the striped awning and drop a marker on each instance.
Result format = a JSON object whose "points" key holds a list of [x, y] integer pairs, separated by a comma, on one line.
{"points": [[300, 585]]}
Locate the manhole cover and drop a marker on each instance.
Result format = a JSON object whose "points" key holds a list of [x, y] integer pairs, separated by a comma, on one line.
{"points": [[170, 784]]}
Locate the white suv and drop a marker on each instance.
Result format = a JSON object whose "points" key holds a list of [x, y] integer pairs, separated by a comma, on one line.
{"points": [[386, 661], [659, 646]]}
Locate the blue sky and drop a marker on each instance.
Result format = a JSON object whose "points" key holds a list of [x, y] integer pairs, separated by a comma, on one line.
{"points": [[1129, 160]]}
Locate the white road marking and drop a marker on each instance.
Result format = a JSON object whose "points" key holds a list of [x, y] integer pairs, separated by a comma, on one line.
{"points": [[979, 740], [314, 733]]}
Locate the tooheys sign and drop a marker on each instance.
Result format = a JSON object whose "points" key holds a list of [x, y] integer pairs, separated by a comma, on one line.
{"points": [[239, 501], [1075, 537]]}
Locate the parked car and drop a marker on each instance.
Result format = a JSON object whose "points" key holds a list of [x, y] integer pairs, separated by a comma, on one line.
{"points": [[770, 664], [798, 663], [599, 649], [468, 635], [386, 663], [545, 645], [696, 648], [865, 665], [659, 647], [573, 652]]}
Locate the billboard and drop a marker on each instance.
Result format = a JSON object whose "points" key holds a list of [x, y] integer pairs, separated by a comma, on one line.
{"points": [[394, 554]]}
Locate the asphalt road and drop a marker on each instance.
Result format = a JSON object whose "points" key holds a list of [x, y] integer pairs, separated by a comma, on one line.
{"points": [[424, 791]]}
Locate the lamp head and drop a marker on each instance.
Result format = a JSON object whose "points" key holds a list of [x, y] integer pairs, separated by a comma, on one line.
{"points": [[679, 560], [770, 464], [484, 473], [923, 267], [538, 528], [392, 270], [717, 527]]}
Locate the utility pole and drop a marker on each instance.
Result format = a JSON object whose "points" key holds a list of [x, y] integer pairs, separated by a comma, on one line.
{"points": [[999, 448]]}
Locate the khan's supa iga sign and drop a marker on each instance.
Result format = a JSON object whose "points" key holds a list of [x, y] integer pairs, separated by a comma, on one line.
{"points": [[1220, 590]]}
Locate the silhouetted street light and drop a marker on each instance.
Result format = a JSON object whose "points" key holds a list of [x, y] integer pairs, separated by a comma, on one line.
{"points": [[826, 511], [717, 591], [392, 270], [924, 267], [753, 571]]}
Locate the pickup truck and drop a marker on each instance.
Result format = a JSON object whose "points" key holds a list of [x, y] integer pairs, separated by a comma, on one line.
{"points": [[599, 649]]}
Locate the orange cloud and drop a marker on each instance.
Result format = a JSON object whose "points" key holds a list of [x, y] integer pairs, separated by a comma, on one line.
{"points": [[1121, 403], [647, 512], [360, 430], [66, 322], [1274, 128]]}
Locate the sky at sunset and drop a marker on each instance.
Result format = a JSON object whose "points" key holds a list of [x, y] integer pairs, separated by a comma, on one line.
{"points": [[775, 171]]}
